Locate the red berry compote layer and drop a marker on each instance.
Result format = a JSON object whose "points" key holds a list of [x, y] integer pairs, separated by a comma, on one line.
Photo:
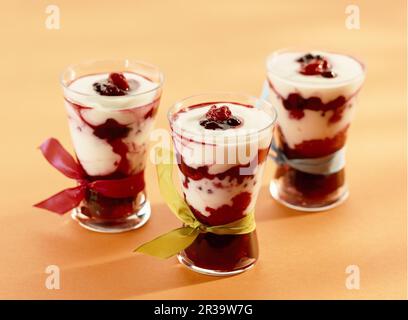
{"points": [[221, 153], [110, 118], [314, 94]]}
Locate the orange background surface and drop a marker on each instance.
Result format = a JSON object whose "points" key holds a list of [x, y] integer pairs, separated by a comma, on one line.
{"points": [[202, 46]]}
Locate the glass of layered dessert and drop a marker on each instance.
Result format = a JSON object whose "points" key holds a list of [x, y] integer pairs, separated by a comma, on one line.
{"points": [[221, 142], [111, 107], [315, 95]]}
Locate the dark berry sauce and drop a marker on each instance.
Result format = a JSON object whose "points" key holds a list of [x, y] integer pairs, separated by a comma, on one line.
{"points": [[223, 253], [301, 188], [295, 104]]}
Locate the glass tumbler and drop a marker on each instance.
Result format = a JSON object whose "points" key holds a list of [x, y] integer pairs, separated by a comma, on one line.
{"points": [[111, 107], [314, 93], [220, 165]]}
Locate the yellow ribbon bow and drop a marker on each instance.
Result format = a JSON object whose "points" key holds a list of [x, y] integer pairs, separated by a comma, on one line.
{"points": [[171, 243]]}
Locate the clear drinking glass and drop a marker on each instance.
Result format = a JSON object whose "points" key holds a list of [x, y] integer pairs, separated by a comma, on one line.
{"points": [[110, 136], [314, 93], [221, 174]]}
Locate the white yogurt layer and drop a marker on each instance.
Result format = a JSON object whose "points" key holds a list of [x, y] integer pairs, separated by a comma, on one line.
{"points": [[220, 150], [284, 76], [285, 67], [95, 154], [81, 91], [253, 120]]}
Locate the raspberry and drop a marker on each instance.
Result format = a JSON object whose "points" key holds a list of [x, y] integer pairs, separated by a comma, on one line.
{"points": [[218, 114], [311, 65], [119, 80], [312, 68]]}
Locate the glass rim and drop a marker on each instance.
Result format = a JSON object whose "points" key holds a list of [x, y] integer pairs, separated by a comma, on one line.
{"points": [[305, 83], [157, 86], [274, 115]]}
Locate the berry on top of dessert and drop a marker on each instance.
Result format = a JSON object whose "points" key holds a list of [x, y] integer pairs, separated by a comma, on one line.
{"points": [[115, 85], [219, 118], [311, 65]]}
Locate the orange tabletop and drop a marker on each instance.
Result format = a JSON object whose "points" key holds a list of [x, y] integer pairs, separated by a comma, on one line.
{"points": [[203, 46]]}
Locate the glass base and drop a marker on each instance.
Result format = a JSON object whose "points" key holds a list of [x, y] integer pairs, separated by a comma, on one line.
{"points": [[209, 272], [298, 202], [134, 221]]}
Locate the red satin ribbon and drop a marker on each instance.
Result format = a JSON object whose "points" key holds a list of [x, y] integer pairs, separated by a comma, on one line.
{"points": [[70, 198]]}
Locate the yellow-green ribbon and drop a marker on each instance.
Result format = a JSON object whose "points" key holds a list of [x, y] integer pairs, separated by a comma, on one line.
{"points": [[171, 243]]}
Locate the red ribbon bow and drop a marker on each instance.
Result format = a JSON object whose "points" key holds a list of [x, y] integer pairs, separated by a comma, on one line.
{"points": [[70, 198]]}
